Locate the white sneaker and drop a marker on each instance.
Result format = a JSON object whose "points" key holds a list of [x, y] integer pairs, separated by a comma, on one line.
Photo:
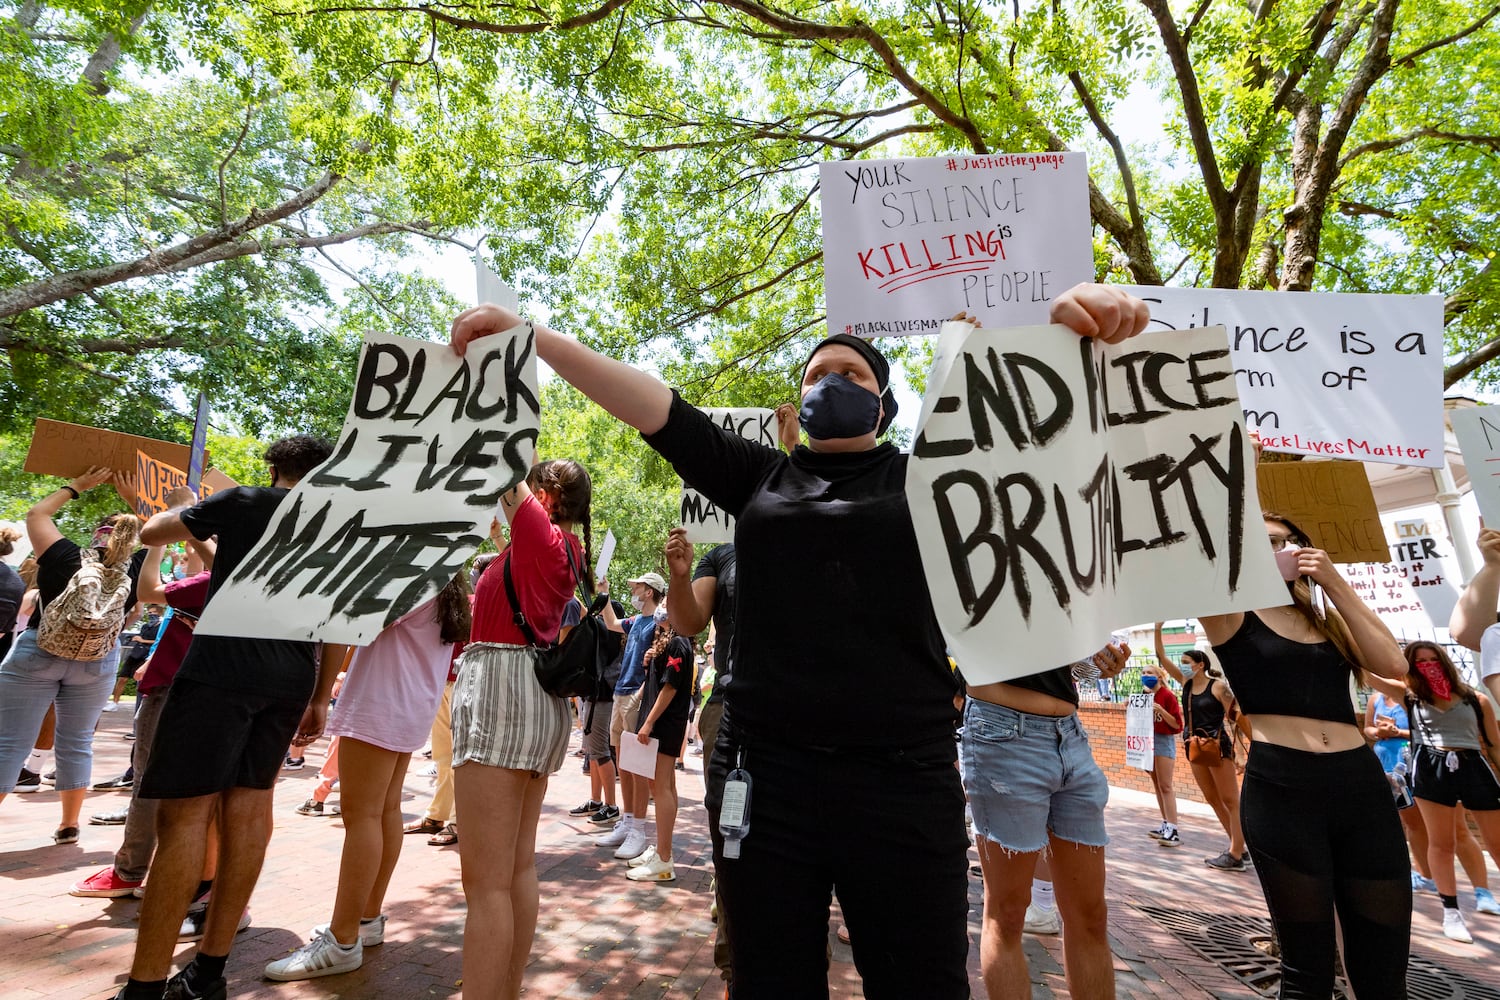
{"points": [[197, 916], [1484, 902], [649, 854], [634, 843], [322, 956], [655, 870], [616, 836], [1039, 921], [1169, 839], [371, 931], [1453, 927], [111, 706]]}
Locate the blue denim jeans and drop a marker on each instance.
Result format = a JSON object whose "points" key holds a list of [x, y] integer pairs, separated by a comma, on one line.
{"points": [[30, 680], [1030, 775]]}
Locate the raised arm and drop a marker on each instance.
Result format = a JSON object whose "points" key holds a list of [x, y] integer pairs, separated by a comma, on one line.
{"points": [[41, 530], [1166, 662], [1475, 610], [639, 399], [690, 602], [149, 588]]}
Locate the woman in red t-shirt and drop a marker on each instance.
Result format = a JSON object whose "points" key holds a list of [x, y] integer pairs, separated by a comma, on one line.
{"points": [[508, 733], [1167, 718]]}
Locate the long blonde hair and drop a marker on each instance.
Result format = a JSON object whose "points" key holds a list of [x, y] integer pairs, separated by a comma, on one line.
{"points": [[125, 531]]}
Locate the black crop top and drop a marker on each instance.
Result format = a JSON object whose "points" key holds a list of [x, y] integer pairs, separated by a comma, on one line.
{"points": [[1274, 675]]}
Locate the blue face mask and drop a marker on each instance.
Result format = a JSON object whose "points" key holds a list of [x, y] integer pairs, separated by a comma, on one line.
{"points": [[1187, 669], [1149, 683], [838, 408]]}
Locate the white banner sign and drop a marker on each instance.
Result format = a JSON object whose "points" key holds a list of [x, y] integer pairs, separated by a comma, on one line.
{"points": [[1340, 376], [704, 521], [1383, 587], [909, 243], [1060, 487], [1140, 733], [1419, 551], [430, 443], [1478, 433]]}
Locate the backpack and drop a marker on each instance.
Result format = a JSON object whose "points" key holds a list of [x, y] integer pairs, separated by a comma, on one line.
{"points": [[84, 621], [571, 668]]}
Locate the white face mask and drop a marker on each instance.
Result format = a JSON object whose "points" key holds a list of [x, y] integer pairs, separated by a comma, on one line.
{"points": [[638, 601], [660, 614]]}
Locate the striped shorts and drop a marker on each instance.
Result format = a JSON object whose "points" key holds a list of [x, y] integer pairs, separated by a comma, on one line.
{"points": [[502, 717]]}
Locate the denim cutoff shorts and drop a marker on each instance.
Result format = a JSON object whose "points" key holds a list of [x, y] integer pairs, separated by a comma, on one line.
{"points": [[1030, 775]]}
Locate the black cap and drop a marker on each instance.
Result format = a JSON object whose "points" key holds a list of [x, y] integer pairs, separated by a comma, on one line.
{"points": [[878, 364]]}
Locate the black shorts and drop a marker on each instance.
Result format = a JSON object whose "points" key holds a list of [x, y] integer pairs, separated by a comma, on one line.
{"points": [[670, 734], [1471, 783], [211, 739], [130, 662]]}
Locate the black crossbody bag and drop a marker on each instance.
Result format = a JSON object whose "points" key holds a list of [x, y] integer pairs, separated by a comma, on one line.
{"points": [[571, 668]]}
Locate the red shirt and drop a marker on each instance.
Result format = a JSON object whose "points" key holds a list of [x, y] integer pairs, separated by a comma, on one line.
{"points": [[1166, 699], [186, 598], [543, 580]]}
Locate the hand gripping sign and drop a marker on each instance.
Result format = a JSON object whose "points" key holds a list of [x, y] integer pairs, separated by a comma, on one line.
{"points": [[430, 443], [1060, 487]]}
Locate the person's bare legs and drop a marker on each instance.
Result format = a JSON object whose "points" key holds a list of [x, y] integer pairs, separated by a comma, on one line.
{"points": [[1007, 892], [1162, 773], [72, 804], [524, 886], [495, 800], [1416, 839], [244, 832], [1439, 820], [1489, 829], [664, 790], [1466, 849], [1204, 776], [640, 796], [1078, 880], [1227, 788], [605, 769], [371, 779], [175, 868]]}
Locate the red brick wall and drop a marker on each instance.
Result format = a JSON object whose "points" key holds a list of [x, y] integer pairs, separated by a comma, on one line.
{"points": [[1105, 722]]}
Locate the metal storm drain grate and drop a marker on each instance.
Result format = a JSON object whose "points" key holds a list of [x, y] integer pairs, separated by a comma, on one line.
{"points": [[1241, 946]]}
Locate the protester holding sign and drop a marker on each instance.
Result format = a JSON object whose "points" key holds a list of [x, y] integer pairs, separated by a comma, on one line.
{"points": [[1318, 815], [884, 765], [382, 716], [664, 715], [233, 707], [508, 733], [1166, 718], [68, 654], [1209, 715]]}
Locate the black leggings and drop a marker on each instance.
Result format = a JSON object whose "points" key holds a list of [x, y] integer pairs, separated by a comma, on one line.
{"points": [[1324, 834]]}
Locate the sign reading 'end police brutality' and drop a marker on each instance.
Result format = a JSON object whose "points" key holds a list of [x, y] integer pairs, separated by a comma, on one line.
{"points": [[1061, 488], [430, 443], [908, 243], [704, 521]]}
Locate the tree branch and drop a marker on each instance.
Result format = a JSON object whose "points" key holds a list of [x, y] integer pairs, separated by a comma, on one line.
{"points": [[1409, 60], [1192, 102]]}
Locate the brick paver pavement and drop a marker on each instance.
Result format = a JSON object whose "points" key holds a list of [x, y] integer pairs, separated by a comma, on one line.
{"points": [[599, 935]]}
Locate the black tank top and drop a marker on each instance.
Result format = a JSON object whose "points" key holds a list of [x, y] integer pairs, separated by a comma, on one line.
{"points": [[1205, 713], [1274, 675]]}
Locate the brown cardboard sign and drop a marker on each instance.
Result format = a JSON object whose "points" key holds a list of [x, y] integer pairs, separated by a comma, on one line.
{"points": [[1331, 501], [69, 450], [213, 482]]}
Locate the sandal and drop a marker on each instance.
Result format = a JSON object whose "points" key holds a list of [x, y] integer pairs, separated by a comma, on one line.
{"points": [[446, 837], [424, 825], [65, 835]]}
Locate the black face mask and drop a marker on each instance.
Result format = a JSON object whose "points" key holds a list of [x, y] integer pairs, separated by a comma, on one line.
{"points": [[838, 408]]}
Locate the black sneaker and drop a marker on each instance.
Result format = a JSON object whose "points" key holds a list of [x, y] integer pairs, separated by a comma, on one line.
{"points": [[294, 763], [178, 988], [50, 778], [606, 815], [312, 807], [587, 808], [29, 781], [123, 781], [1226, 862]]}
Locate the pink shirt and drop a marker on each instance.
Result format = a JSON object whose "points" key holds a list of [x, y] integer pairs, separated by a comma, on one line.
{"points": [[391, 692]]}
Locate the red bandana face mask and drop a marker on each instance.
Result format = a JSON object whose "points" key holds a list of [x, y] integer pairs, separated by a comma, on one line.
{"points": [[1432, 673]]}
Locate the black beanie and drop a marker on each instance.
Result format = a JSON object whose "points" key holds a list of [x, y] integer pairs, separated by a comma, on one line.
{"points": [[878, 364]]}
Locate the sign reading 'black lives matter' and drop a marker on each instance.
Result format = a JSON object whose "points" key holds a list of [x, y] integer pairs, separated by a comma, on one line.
{"points": [[430, 443], [1061, 488]]}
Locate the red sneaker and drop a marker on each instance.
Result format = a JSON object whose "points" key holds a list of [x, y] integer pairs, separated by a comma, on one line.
{"points": [[105, 883]]}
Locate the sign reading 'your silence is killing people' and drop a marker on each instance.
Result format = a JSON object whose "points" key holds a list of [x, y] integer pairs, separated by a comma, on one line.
{"points": [[430, 443], [910, 243], [1061, 487]]}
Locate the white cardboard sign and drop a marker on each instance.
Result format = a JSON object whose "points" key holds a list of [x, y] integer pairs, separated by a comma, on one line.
{"points": [[1140, 733], [430, 443], [908, 243], [1333, 375], [1419, 551], [1060, 487], [704, 521], [1478, 433]]}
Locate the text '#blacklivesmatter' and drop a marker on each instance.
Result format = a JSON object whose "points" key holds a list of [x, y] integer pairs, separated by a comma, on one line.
{"points": [[1018, 402]]}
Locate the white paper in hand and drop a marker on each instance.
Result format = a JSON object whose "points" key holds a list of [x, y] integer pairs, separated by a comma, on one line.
{"points": [[637, 757]]}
